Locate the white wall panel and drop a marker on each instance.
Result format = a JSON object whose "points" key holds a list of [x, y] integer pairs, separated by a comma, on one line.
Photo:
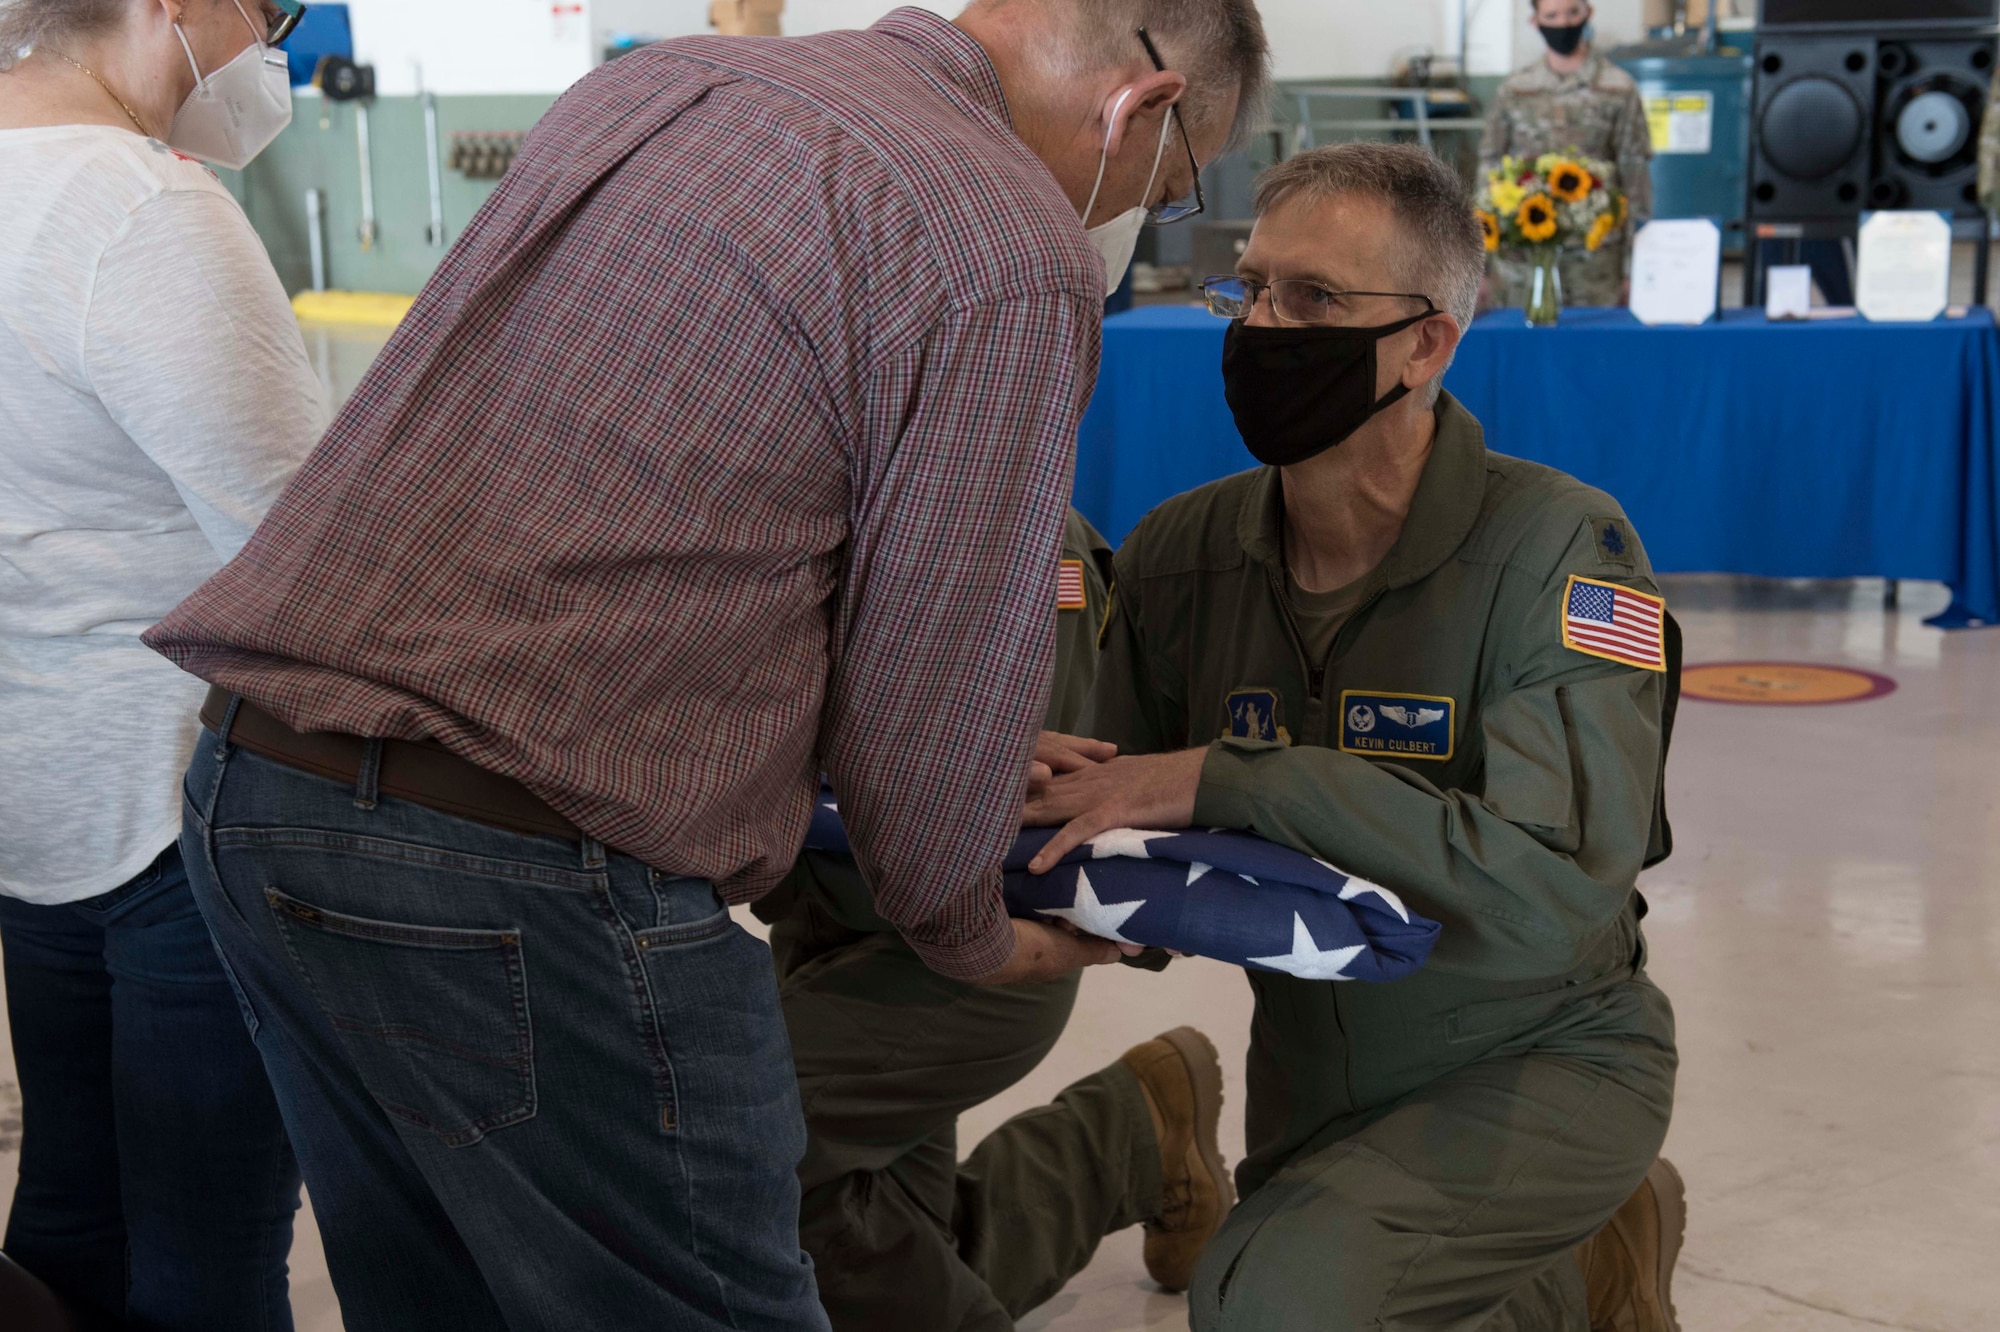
{"points": [[473, 46], [492, 46]]}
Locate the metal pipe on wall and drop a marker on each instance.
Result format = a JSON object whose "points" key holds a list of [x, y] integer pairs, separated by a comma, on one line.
{"points": [[369, 231], [435, 235], [316, 236]]}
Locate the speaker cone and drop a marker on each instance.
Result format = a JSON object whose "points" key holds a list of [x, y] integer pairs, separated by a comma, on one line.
{"points": [[1933, 128], [1812, 128]]}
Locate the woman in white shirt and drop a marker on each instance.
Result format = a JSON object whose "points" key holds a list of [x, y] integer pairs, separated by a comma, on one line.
{"points": [[154, 398]]}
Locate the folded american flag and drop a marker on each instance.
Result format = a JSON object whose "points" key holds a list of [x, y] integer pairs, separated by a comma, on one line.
{"points": [[1213, 893]]}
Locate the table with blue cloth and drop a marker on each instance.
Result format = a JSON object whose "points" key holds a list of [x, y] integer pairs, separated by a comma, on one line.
{"points": [[1823, 449]]}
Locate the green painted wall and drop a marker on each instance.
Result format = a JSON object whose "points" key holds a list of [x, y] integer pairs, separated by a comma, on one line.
{"points": [[319, 149]]}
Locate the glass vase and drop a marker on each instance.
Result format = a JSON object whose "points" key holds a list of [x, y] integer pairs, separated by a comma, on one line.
{"points": [[1545, 292]]}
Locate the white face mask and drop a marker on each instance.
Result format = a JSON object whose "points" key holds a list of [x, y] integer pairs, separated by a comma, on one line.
{"points": [[1115, 240], [234, 113]]}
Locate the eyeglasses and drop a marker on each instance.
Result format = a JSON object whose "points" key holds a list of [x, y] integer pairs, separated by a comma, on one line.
{"points": [[1180, 210], [1295, 300], [287, 22]]}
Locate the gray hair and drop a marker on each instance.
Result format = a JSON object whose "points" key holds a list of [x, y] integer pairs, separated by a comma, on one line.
{"points": [[26, 24], [1443, 245], [1218, 45]]}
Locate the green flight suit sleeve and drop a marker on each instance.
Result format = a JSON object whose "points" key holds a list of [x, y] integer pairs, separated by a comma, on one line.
{"points": [[1077, 630], [1524, 874], [1130, 708], [1127, 711]]}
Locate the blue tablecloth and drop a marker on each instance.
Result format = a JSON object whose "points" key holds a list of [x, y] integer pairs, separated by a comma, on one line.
{"points": [[1832, 449]]}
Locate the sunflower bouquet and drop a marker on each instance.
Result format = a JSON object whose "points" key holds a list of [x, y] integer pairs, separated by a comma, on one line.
{"points": [[1559, 200]]}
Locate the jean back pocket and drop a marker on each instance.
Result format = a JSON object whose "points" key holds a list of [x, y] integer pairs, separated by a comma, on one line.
{"points": [[435, 1019]]}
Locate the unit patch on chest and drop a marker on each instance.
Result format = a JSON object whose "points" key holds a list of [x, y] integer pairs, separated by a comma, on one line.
{"points": [[1405, 726], [1253, 715]]}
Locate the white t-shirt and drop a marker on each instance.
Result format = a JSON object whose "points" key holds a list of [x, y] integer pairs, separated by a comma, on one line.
{"points": [[154, 398]]}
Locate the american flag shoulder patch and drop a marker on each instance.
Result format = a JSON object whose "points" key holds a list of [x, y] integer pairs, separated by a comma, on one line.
{"points": [[1069, 586], [1616, 623]]}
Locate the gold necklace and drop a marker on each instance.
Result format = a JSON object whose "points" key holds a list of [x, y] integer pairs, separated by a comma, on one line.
{"points": [[107, 92]]}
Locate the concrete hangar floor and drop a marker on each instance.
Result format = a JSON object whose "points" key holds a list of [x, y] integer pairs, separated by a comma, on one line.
{"points": [[1829, 932]]}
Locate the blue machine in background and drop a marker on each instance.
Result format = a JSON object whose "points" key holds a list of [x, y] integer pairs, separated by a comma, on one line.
{"points": [[1698, 105], [324, 31]]}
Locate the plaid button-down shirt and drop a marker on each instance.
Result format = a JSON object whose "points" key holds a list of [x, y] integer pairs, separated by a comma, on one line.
{"points": [[732, 440]]}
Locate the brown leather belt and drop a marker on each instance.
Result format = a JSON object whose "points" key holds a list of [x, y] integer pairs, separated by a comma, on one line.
{"points": [[421, 771]]}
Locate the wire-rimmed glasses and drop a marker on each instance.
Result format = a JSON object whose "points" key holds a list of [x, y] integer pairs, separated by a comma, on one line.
{"points": [[1160, 215], [1295, 300]]}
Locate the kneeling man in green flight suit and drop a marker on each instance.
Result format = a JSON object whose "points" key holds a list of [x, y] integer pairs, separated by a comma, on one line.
{"points": [[889, 1053], [1446, 671]]}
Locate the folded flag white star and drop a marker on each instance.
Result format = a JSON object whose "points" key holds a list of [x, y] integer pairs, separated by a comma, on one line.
{"points": [[1210, 892]]}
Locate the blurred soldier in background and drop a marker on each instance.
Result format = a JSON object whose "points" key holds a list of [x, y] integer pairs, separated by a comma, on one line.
{"points": [[1572, 99], [747, 18]]}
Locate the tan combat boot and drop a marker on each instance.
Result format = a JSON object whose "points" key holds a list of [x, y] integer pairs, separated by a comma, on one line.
{"points": [[1629, 1266], [1182, 1078]]}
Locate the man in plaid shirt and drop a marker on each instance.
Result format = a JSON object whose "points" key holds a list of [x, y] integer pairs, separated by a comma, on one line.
{"points": [[730, 443]]}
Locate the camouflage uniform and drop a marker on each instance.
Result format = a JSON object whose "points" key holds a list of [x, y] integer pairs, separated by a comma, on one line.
{"points": [[1597, 112]]}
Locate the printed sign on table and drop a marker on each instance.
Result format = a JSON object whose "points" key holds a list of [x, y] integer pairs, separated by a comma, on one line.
{"points": [[1677, 271], [1905, 267]]}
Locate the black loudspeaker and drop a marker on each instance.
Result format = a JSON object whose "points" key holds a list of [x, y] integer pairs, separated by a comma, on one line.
{"points": [[1870, 16], [1931, 98], [1846, 122], [1813, 125]]}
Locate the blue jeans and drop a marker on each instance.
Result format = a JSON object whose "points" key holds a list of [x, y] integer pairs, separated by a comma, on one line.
{"points": [[534, 1084], [157, 1187]]}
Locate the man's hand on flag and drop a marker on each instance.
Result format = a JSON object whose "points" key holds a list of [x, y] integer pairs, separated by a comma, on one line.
{"points": [[1152, 791], [1045, 952], [1056, 754]]}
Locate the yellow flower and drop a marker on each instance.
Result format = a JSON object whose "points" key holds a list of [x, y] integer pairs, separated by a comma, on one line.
{"points": [[1537, 219], [1622, 208], [1490, 225], [1506, 195], [1569, 182], [1600, 231]]}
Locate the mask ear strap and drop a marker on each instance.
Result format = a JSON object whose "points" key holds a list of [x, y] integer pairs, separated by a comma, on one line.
{"points": [[199, 81], [1390, 399], [1104, 153], [260, 36], [1401, 391]]}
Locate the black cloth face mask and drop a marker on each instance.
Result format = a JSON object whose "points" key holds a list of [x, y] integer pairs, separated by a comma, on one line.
{"points": [[1297, 392], [1564, 41]]}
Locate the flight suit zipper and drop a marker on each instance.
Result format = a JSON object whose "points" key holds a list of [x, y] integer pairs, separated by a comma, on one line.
{"points": [[1333, 650], [1313, 729], [1315, 690]]}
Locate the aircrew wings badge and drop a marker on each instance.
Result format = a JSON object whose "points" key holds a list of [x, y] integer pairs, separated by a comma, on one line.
{"points": [[1069, 586], [1616, 623]]}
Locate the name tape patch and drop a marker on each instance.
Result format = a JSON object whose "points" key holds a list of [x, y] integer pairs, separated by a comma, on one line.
{"points": [[1069, 586], [1407, 726]]}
